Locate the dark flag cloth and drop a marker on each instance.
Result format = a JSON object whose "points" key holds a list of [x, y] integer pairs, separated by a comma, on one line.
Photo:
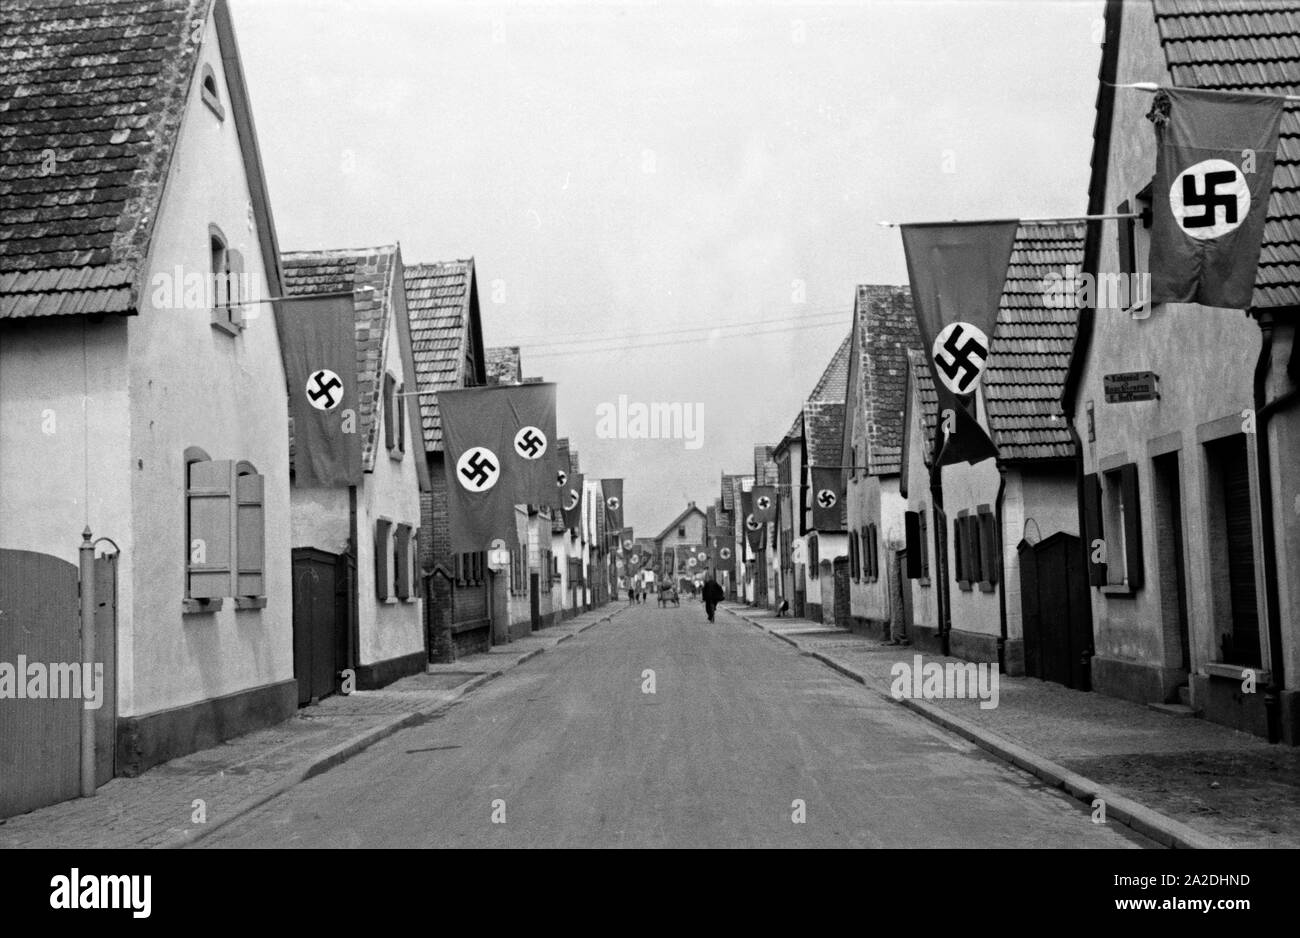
{"points": [[481, 495], [755, 530], [957, 273], [827, 498], [613, 492], [519, 420], [723, 558], [765, 503], [1214, 176], [562, 473], [572, 501], [319, 349], [627, 542]]}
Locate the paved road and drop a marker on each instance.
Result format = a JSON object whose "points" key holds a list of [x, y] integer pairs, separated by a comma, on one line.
{"points": [[740, 727]]}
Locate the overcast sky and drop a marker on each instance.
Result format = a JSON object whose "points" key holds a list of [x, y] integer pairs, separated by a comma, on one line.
{"points": [[632, 173]]}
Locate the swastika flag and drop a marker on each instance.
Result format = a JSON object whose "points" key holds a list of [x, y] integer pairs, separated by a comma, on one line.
{"points": [[494, 439], [1214, 176], [755, 530], [957, 272], [765, 500], [612, 490], [572, 501], [827, 498], [319, 348]]}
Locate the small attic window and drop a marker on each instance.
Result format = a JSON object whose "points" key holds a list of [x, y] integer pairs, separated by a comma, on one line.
{"points": [[209, 92]]}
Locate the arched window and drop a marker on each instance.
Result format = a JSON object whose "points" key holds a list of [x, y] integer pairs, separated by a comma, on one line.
{"points": [[227, 266], [211, 96]]}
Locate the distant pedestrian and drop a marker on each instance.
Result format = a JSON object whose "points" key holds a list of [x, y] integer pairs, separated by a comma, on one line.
{"points": [[712, 596]]}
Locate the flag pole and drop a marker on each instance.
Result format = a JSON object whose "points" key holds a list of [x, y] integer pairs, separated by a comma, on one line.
{"points": [[1051, 220], [1151, 87]]}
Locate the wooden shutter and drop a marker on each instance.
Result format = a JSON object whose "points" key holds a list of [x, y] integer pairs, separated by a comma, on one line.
{"points": [[924, 541], [250, 531], [853, 554], [1128, 493], [912, 541], [382, 528], [402, 560], [1127, 255], [961, 545], [401, 418], [988, 539], [211, 529], [235, 293], [1092, 526]]}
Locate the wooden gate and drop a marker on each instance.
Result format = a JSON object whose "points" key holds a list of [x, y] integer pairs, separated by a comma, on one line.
{"points": [[320, 622], [1057, 612], [40, 624]]}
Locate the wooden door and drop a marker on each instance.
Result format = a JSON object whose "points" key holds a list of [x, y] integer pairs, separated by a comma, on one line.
{"points": [[40, 624], [320, 639], [1055, 611]]}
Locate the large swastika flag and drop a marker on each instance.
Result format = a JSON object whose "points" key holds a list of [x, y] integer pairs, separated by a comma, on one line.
{"points": [[488, 470], [827, 498], [319, 348], [957, 272], [1214, 176]]}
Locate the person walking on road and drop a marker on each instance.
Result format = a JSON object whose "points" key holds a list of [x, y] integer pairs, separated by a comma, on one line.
{"points": [[712, 595]]}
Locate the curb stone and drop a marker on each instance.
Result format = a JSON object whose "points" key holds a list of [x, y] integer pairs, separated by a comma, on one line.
{"points": [[1149, 823], [336, 755]]}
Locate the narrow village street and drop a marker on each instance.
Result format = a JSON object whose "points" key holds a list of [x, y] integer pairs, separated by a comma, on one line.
{"points": [[739, 727]]}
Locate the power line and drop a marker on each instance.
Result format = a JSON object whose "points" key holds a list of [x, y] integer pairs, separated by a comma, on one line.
{"points": [[553, 338], [568, 350]]}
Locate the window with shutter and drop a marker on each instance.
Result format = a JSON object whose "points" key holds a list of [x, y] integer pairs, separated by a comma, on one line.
{"points": [[383, 551], [250, 528], [402, 561], [210, 535], [390, 412], [853, 555], [1131, 508], [401, 418]]}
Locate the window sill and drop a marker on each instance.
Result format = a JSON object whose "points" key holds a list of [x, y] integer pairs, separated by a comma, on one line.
{"points": [[1118, 589], [396, 455], [923, 581], [250, 602], [1235, 672], [964, 586], [214, 105], [987, 587], [191, 607], [221, 325]]}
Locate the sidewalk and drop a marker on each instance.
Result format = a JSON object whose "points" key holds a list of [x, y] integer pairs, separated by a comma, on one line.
{"points": [[1182, 781], [160, 808]]}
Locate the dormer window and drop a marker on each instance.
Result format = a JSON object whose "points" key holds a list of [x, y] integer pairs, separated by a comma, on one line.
{"points": [[208, 90]]}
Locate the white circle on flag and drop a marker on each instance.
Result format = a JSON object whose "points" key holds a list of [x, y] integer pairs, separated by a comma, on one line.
{"points": [[960, 352], [561, 477], [1209, 199], [530, 443], [627, 545], [478, 469], [826, 498], [612, 503], [702, 556], [691, 562], [324, 389], [751, 523], [763, 503], [572, 501], [636, 558], [725, 553]]}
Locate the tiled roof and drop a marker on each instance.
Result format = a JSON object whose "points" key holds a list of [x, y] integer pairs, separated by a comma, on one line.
{"points": [[823, 432], [308, 272], [728, 502], [1234, 45], [919, 368], [887, 329], [679, 519], [438, 298], [92, 94], [1030, 352], [503, 365], [764, 466]]}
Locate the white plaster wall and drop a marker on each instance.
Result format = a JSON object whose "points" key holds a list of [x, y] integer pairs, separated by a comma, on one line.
{"points": [[192, 385], [966, 487]]}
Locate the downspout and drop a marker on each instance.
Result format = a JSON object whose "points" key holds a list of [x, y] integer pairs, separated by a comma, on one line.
{"points": [[1002, 577], [1272, 605]]}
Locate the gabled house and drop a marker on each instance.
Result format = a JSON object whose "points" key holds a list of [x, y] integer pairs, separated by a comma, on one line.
{"points": [[884, 331], [447, 341], [813, 439], [1008, 526], [688, 528], [361, 542], [142, 395], [1189, 498]]}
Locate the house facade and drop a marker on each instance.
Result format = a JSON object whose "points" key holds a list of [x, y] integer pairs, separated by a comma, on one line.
{"points": [[373, 527], [140, 372], [1188, 499], [447, 342]]}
